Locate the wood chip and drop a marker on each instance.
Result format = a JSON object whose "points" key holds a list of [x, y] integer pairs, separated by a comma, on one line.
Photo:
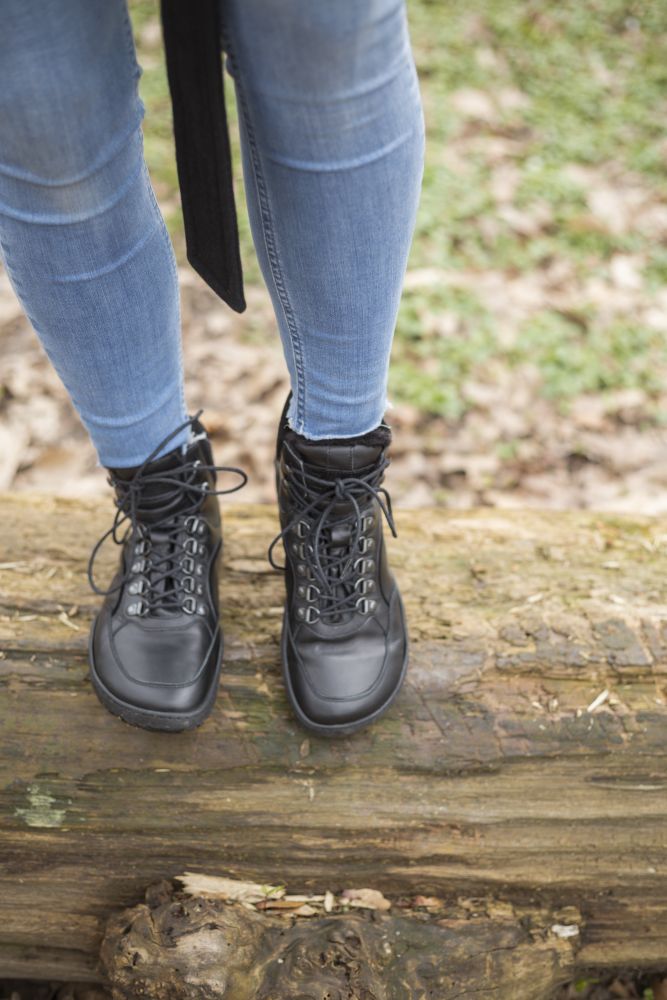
{"points": [[600, 700], [64, 618], [565, 930], [217, 887]]}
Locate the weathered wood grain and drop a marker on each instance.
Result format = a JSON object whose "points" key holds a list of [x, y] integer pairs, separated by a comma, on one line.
{"points": [[489, 779]]}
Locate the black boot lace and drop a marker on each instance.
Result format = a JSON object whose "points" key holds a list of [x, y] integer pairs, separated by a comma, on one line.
{"points": [[334, 553], [161, 512]]}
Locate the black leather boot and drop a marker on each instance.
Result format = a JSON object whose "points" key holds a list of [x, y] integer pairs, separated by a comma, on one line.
{"points": [[156, 645], [344, 640]]}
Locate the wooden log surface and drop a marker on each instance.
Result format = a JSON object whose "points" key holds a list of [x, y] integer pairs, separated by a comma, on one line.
{"points": [[489, 780]]}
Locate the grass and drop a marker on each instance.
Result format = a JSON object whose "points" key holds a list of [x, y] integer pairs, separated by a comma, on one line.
{"points": [[564, 91]]}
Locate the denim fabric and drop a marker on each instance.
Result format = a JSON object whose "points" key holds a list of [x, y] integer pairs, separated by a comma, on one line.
{"points": [[332, 137]]}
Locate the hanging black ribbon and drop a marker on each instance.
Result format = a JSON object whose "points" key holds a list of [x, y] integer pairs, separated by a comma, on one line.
{"points": [[192, 40]]}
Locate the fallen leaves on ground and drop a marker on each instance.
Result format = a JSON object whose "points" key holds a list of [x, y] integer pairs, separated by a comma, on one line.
{"points": [[513, 447]]}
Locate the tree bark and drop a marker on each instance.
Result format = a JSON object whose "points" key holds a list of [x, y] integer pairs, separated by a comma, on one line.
{"points": [[181, 947], [504, 775]]}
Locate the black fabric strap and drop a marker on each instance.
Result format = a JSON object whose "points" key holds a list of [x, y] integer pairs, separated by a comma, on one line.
{"points": [[192, 35]]}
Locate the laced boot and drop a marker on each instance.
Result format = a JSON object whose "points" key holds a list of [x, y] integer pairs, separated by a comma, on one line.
{"points": [[156, 645], [344, 639]]}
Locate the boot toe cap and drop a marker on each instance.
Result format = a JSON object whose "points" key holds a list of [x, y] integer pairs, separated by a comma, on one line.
{"points": [[348, 680], [159, 671]]}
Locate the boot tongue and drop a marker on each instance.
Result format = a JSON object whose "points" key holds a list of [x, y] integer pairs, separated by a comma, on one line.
{"points": [[157, 498], [339, 458]]}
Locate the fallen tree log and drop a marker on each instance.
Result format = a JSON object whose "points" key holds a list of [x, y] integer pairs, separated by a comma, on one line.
{"points": [[524, 765]]}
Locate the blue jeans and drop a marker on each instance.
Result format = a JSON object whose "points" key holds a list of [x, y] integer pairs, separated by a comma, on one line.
{"points": [[332, 142]]}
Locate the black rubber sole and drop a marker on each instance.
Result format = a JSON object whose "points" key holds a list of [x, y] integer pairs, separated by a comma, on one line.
{"points": [[166, 722], [344, 728]]}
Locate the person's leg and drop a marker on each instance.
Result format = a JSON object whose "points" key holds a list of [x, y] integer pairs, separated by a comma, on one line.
{"points": [[332, 137], [81, 235], [89, 256]]}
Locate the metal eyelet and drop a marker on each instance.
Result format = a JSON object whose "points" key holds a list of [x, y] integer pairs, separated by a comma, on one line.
{"points": [[310, 592], [302, 529], [365, 544], [139, 566], [366, 585], [189, 605], [137, 586], [364, 605], [135, 609], [191, 523], [188, 564], [142, 548], [364, 565], [201, 609], [309, 615], [368, 522], [189, 584], [190, 546]]}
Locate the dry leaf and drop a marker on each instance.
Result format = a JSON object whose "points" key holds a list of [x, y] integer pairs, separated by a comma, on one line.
{"points": [[13, 440], [368, 899], [280, 904]]}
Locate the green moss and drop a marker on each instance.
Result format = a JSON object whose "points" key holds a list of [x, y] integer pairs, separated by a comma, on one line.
{"points": [[42, 810]]}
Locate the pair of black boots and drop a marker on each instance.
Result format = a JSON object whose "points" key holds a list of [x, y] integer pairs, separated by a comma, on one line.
{"points": [[156, 645]]}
